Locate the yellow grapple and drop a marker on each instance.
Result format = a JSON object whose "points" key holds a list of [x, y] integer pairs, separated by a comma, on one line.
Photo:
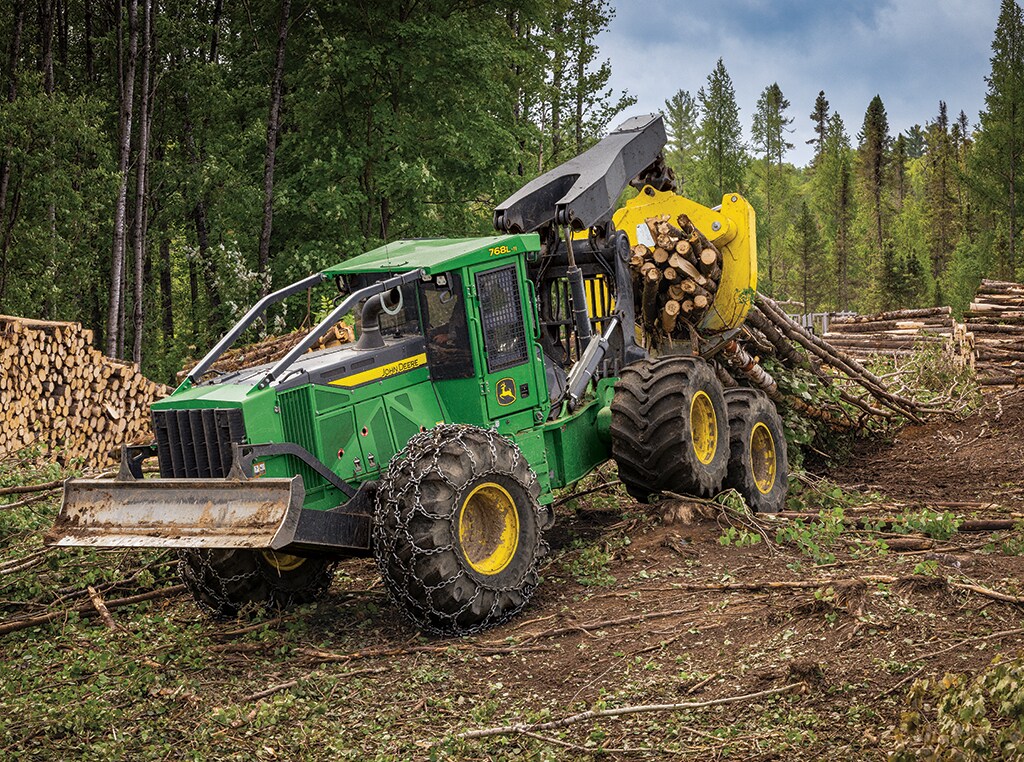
{"points": [[730, 227]]}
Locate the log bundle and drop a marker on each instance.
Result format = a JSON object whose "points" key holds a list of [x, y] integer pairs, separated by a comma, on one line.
{"points": [[902, 333], [269, 350], [996, 320], [58, 392], [675, 280]]}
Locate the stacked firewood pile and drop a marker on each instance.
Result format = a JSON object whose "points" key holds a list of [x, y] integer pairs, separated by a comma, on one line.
{"points": [[902, 333], [58, 392], [996, 318], [675, 280], [269, 350]]}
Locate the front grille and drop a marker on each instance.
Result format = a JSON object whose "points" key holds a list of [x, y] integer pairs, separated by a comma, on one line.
{"points": [[196, 443]]}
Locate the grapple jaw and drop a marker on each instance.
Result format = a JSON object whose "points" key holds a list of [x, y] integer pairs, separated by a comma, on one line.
{"points": [[179, 513]]}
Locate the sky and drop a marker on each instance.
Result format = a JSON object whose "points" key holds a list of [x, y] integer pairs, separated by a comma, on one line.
{"points": [[913, 53]]}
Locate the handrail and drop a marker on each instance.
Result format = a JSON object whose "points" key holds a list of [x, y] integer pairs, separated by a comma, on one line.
{"points": [[336, 314], [248, 319]]}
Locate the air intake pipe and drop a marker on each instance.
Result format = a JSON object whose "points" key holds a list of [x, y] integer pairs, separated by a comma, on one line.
{"points": [[390, 302]]}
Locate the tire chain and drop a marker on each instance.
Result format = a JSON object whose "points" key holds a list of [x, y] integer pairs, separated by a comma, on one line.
{"points": [[201, 574], [400, 485]]}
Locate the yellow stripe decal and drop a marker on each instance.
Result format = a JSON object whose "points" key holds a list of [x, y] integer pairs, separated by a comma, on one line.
{"points": [[382, 372]]}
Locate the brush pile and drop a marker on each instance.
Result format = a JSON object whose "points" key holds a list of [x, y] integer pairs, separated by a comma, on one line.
{"points": [[58, 392], [816, 379], [996, 318]]}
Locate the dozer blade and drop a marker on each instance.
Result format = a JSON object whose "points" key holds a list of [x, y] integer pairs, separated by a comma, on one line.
{"points": [[179, 513]]}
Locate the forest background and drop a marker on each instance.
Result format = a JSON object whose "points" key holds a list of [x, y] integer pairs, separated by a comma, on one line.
{"points": [[164, 162]]}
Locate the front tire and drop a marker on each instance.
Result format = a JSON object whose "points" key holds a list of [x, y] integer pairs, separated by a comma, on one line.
{"points": [[670, 429], [758, 460], [229, 582], [457, 530]]}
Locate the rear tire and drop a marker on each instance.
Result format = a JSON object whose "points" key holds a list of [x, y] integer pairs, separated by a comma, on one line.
{"points": [[758, 460], [457, 530], [670, 429], [229, 582]]}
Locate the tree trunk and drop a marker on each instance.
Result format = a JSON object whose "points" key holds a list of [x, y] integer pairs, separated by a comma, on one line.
{"points": [[141, 176], [114, 311], [5, 161], [90, 70], [273, 128]]}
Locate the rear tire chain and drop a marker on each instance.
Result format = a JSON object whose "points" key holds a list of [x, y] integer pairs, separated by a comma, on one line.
{"points": [[415, 533], [229, 582], [651, 435]]}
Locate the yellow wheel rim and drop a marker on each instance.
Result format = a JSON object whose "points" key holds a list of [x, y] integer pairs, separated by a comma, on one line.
{"points": [[703, 427], [489, 528], [762, 458], [283, 562]]}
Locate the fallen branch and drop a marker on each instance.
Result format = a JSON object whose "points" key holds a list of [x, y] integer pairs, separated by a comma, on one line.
{"points": [[24, 489], [87, 609], [607, 623], [969, 641], [624, 710], [259, 695], [328, 657], [101, 608], [988, 592]]}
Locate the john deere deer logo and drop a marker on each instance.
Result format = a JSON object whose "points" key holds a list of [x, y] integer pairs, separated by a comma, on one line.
{"points": [[506, 391]]}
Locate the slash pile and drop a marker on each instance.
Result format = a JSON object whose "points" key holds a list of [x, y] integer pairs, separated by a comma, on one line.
{"points": [[675, 280], [996, 318], [59, 392]]}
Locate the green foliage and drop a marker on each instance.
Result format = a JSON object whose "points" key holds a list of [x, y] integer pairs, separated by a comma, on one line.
{"points": [[681, 122], [590, 567], [937, 525], [964, 717], [815, 538], [741, 538]]}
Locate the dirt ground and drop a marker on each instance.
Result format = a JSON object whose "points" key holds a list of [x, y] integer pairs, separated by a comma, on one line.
{"points": [[638, 606]]}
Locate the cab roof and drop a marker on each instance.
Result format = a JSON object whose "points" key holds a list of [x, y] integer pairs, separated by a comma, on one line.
{"points": [[435, 255]]}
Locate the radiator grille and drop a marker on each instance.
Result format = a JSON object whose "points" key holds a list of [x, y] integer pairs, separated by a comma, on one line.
{"points": [[196, 443], [297, 422]]}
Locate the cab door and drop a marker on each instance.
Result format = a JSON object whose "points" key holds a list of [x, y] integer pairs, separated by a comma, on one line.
{"points": [[510, 382]]}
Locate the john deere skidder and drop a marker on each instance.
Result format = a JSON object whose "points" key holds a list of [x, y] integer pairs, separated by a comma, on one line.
{"points": [[488, 373]]}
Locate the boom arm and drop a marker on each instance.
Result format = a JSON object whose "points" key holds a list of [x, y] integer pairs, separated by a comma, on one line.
{"points": [[583, 191]]}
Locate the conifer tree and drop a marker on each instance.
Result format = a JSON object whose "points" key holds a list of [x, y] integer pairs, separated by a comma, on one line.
{"points": [[820, 118], [681, 121], [834, 198], [997, 165], [770, 127], [873, 160], [721, 149], [941, 212]]}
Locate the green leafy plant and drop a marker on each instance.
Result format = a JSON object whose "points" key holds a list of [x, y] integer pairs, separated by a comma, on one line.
{"points": [[817, 537], [963, 717], [938, 526]]}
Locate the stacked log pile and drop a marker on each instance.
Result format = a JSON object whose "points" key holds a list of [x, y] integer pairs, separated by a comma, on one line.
{"points": [[996, 319], [58, 392], [675, 280], [269, 350], [902, 333]]}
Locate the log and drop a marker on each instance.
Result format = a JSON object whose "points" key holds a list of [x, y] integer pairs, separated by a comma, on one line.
{"points": [[669, 313]]}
